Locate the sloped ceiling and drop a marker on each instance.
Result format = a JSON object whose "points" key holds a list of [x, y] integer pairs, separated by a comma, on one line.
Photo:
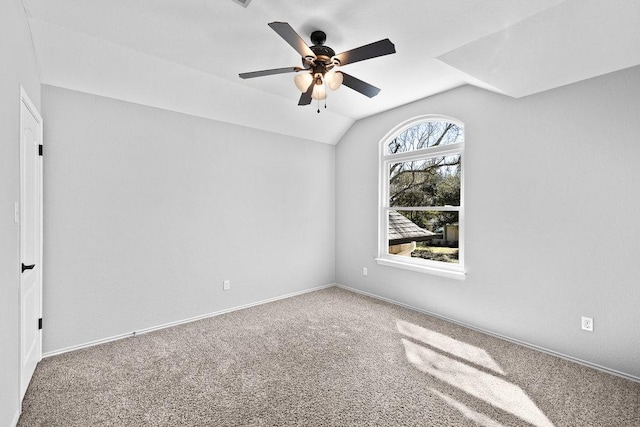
{"points": [[185, 55]]}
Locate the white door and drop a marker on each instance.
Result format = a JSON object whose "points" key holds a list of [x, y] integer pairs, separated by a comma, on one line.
{"points": [[30, 240]]}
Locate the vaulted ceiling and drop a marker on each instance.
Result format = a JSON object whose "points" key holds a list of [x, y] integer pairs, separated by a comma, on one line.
{"points": [[185, 55]]}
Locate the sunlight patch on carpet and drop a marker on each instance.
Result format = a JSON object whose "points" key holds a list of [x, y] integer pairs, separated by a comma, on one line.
{"points": [[489, 388], [452, 346], [474, 416]]}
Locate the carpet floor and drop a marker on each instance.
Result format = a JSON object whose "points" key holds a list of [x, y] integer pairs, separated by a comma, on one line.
{"points": [[326, 358]]}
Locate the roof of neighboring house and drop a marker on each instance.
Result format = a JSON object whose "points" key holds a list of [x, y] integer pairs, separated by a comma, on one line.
{"points": [[403, 230]]}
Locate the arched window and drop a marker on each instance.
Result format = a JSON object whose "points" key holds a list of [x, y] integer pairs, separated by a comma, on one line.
{"points": [[422, 196]]}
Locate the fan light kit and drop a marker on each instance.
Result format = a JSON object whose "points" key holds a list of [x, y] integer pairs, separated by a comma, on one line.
{"points": [[319, 63]]}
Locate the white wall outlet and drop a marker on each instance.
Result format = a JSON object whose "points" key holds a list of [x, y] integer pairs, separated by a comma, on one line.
{"points": [[226, 285], [364, 271], [587, 324]]}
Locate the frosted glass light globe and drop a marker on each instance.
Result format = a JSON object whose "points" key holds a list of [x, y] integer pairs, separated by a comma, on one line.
{"points": [[319, 92], [303, 81], [333, 79]]}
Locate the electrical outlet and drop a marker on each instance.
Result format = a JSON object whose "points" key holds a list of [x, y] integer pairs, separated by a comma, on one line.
{"points": [[587, 324], [364, 271], [226, 285]]}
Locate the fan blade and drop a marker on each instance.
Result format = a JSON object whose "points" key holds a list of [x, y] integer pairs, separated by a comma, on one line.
{"points": [[270, 72], [305, 98], [373, 50], [289, 35], [359, 86]]}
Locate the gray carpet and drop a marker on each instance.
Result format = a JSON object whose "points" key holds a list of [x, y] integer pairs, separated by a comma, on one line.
{"points": [[327, 358]]}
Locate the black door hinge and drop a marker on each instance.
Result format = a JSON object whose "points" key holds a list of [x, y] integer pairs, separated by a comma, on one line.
{"points": [[40, 150], [40, 323]]}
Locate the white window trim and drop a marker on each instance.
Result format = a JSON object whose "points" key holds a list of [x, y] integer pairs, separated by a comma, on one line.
{"points": [[438, 268]]}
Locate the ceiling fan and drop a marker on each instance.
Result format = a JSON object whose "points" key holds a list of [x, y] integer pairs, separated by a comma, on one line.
{"points": [[319, 63]]}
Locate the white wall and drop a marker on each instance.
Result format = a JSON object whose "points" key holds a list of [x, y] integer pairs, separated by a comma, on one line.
{"points": [[551, 181], [147, 212], [18, 67]]}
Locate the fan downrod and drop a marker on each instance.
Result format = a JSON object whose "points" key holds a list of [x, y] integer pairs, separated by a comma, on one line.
{"points": [[323, 53]]}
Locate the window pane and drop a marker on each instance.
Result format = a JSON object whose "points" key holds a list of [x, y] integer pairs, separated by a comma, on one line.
{"points": [[431, 235], [425, 135], [429, 182]]}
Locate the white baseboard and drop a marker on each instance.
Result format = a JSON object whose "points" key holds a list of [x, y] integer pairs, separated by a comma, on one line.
{"points": [[16, 417], [358, 291], [494, 334], [180, 322]]}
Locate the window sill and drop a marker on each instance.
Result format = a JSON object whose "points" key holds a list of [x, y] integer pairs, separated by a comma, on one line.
{"points": [[451, 274]]}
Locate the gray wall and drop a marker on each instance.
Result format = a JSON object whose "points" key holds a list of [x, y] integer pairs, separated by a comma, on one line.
{"points": [[18, 67], [552, 229], [148, 211]]}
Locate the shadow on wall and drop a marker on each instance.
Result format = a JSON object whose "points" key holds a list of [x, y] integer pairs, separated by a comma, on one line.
{"points": [[479, 376]]}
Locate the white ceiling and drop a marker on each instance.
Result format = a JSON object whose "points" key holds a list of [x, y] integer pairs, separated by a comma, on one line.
{"points": [[185, 55]]}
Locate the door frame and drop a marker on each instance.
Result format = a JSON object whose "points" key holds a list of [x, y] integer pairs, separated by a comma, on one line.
{"points": [[30, 106]]}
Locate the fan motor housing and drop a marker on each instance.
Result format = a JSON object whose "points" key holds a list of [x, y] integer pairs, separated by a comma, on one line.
{"points": [[323, 53]]}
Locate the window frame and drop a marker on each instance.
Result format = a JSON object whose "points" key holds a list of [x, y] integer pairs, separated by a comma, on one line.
{"points": [[438, 268]]}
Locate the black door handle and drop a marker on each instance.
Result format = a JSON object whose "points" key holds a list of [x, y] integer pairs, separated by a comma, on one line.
{"points": [[27, 267]]}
